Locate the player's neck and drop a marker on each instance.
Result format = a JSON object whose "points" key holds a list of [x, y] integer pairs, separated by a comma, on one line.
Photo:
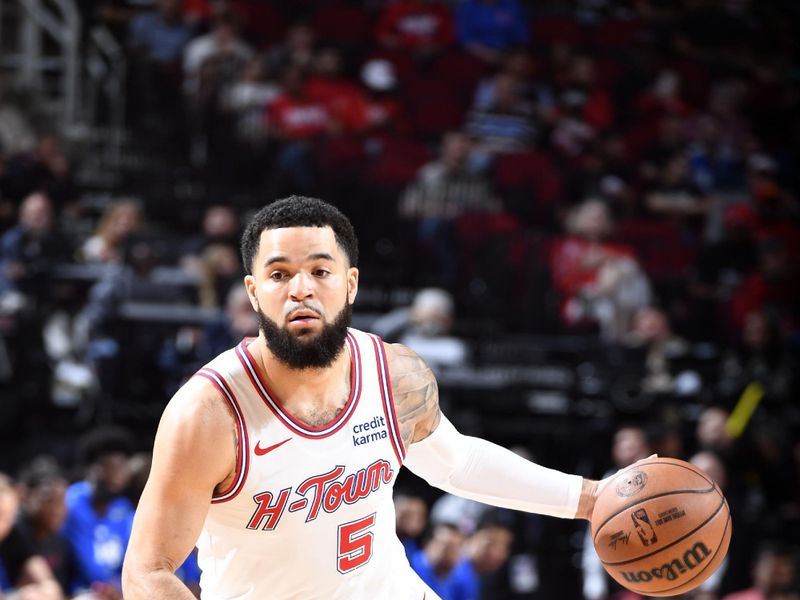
{"points": [[290, 385]]}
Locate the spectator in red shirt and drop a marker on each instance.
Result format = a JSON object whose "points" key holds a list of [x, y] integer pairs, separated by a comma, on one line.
{"points": [[597, 106], [424, 27], [296, 115], [343, 98], [296, 120], [774, 286], [663, 97], [599, 281]]}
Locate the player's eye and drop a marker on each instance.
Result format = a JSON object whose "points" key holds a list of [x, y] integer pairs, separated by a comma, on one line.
{"points": [[277, 275], [321, 273]]}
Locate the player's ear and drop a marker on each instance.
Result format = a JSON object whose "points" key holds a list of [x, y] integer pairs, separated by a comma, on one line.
{"points": [[352, 284], [250, 286]]}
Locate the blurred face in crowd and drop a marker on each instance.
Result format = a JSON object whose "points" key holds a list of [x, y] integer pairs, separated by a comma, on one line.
{"points": [[444, 548], [243, 321], [677, 170], [111, 474], [221, 261], [773, 572], [45, 505], [711, 464], [411, 514], [302, 288], [169, 9], [774, 260], [756, 331], [328, 63], [711, 432], [651, 325], [490, 548], [221, 222], [582, 71], [432, 312], [630, 445], [123, 219], [455, 150], [592, 220], [36, 214], [300, 37], [518, 64], [505, 91]]}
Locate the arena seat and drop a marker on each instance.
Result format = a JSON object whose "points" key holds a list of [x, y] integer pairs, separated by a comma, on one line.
{"points": [[617, 33], [342, 23], [662, 249], [461, 71], [555, 29], [398, 163], [534, 170]]}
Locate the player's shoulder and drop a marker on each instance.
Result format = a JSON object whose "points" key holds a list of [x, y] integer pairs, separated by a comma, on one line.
{"points": [[407, 369], [403, 359], [198, 403]]}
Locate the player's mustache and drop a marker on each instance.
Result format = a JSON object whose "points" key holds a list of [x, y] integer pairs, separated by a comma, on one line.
{"points": [[302, 306]]}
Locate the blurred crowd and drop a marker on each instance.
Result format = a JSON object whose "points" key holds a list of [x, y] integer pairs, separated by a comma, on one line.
{"points": [[600, 186]]}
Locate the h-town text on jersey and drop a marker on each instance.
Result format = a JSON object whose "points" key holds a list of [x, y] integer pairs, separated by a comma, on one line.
{"points": [[324, 492]]}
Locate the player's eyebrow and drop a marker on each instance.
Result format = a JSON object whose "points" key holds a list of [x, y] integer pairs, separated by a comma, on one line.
{"points": [[321, 256], [282, 258], [276, 259]]}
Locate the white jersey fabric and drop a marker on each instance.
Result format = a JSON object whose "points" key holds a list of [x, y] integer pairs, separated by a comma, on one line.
{"points": [[310, 513]]}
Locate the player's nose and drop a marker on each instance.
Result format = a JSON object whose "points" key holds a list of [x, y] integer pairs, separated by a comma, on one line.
{"points": [[300, 286]]}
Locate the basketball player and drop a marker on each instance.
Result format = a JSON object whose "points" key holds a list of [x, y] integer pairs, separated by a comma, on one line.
{"points": [[278, 458]]}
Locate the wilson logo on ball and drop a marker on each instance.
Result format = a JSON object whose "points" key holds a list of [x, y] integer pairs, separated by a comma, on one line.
{"points": [[673, 569], [632, 483]]}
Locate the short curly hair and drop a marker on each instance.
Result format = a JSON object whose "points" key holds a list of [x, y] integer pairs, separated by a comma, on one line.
{"points": [[298, 211]]}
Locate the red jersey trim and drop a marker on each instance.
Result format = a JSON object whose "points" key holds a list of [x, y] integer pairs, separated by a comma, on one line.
{"points": [[385, 384], [242, 462], [288, 420]]}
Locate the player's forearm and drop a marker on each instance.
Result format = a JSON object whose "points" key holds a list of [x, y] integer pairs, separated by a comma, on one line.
{"points": [[479, 470], [159, 583]]}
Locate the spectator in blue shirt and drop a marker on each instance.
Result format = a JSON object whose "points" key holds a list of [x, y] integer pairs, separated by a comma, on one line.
{"points": [[411, 515], [161, 35], [99, 515], [487, 28], [156, 42], [436, 564], [486, 552]]}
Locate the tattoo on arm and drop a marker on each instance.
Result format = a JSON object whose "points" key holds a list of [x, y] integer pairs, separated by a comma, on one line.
{"points": [[416, 395]]}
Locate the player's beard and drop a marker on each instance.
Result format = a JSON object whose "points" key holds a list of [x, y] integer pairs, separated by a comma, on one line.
{"points": [[313, 351]]}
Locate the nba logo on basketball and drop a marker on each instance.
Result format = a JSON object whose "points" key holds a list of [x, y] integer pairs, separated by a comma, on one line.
{"points": [[643, 527]]}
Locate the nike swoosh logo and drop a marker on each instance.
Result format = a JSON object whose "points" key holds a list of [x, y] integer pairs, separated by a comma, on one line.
{"points": [[262, 451]]}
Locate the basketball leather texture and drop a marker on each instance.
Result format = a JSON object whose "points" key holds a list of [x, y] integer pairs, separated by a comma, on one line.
{"points": [[661, 527]]}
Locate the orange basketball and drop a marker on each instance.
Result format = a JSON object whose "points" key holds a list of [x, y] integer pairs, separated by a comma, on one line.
{"points": [[661, 527]]}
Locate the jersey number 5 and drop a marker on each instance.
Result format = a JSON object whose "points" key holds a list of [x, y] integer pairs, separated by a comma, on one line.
{"points": [[355, 544]]}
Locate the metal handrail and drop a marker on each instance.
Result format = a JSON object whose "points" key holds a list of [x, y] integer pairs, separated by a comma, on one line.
{"points": [[106, 69], [64, 26]]}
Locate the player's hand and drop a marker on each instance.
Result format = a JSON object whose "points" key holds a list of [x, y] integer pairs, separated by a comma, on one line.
{"points": [[592, 490]]}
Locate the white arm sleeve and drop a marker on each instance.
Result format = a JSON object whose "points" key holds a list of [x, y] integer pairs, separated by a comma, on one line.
{"points": [[479, 470]]}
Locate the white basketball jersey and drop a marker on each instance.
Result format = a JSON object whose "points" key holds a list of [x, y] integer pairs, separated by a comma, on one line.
{"points": [[310, 513]]}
